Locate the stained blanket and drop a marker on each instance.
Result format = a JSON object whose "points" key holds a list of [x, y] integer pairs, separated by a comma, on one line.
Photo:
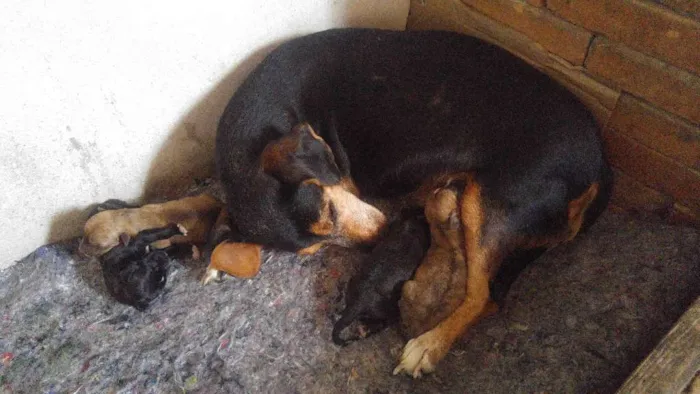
{"points": [[578, 320]]}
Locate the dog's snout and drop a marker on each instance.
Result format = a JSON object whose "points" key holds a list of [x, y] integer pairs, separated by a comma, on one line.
{"points": [[356, 220]]}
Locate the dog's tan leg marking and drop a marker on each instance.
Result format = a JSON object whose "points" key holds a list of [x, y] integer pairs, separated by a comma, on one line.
{"points": [[421, 354], [238, 259], [311, 249], [578, 207]]}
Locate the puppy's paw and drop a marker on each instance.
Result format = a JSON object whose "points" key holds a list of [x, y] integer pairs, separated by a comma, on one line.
{"points": [[421, 355]]}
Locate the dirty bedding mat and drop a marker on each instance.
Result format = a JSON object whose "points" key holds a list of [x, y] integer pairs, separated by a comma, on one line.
{"points": [[578, 320]]}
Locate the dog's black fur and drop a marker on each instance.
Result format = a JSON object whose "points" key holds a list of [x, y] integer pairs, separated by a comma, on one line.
{"points": [[402, 107], [373, 294], [134, 273]]}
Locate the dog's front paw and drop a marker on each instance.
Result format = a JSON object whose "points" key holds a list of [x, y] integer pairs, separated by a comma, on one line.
{"points": [[420, 355], [210, 274]]}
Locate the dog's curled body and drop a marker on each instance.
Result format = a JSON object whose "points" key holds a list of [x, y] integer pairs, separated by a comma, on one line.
{"points": [[396, 110], [403, 107]]}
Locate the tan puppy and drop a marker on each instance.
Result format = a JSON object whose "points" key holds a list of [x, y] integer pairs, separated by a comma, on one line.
{"points": [[437, 288], [196, 214]]}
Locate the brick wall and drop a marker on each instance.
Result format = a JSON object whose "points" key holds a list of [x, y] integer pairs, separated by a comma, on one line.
{"points": [[635, 63]]}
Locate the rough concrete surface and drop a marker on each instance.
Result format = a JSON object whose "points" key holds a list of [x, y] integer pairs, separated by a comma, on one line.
{"points": [[578, 320]]}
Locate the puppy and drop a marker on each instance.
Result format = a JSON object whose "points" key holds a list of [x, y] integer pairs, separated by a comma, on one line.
{"points": [[372, 295], [134, 273], [437, 288], [104, 229]]}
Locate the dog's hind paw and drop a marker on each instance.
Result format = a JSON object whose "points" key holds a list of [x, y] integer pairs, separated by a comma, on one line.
{"points": [[420, 355]]}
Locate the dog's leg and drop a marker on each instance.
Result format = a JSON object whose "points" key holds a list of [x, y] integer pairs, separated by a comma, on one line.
{"points": [[238, 259], [421, 354], [483, 255], [219, 233]]}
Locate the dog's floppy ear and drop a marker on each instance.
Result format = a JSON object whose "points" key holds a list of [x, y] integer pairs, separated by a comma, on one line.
{"points": [[238, 259], [300, 155]]}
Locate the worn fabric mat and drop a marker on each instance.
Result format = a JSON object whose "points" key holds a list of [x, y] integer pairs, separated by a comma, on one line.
{"points": [[578, 320]]}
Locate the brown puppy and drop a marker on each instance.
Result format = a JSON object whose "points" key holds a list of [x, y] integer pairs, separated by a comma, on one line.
{"points": [[437, 288], [196, 214]]}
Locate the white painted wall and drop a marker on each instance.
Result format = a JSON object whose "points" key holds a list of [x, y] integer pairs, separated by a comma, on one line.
{"points": [[120, 99]]}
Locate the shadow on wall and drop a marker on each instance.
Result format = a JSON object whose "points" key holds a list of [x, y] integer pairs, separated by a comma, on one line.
{"points": [[374, 14], [188, 152]]}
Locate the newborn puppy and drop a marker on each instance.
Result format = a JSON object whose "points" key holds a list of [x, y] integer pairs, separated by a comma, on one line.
{"points": [[437, 289], [110, 222], [134, 273], [372, 295]]}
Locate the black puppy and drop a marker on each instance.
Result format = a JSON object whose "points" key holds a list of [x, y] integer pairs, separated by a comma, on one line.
{"points": [[373, 294], [134, 273]]}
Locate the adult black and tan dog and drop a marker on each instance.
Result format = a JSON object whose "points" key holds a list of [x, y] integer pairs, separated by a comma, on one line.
{"points": [[395, 111], [391, 114]]}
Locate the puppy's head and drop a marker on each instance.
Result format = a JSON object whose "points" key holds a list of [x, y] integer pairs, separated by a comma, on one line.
{"points": [[101, 233], [325, 202], [137, 279]]}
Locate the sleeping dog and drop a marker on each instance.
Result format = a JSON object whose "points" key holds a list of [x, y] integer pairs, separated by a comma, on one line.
{"points": [[385, 114], [405, 108]]}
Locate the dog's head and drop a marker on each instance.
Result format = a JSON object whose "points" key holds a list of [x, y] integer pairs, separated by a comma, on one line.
{"points": [[324, 200]]}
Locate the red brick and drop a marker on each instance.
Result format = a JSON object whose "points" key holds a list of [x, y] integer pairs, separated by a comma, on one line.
{"points": [[557, 36], [639, 24], [658, 130], [631, 195], [691, 8], [670, 88], [653, 169], [537, 3]]}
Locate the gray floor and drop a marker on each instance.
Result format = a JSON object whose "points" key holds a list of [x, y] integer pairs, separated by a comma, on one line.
{"points": [[578, 320]]}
